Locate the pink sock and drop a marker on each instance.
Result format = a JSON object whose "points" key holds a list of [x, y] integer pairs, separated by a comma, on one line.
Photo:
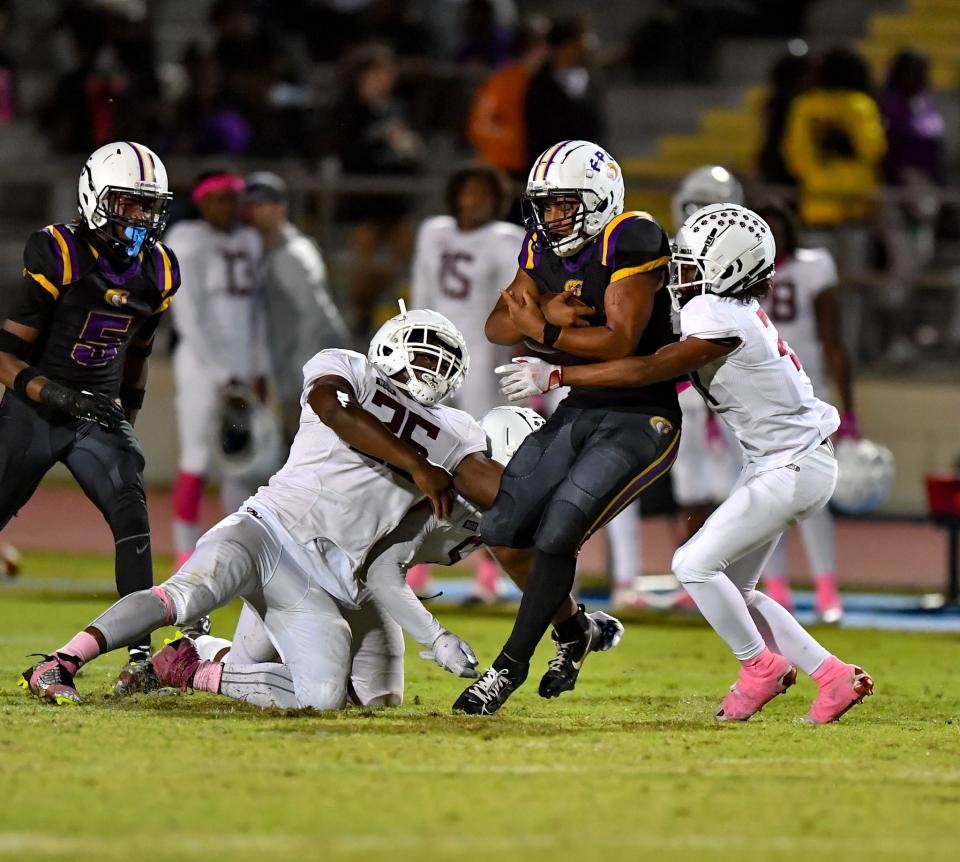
{"points": [[83, 647], [207, 676], [187, 493], [826, 586], [759, 661], [488, 575], [827, 665], [418, 577]]}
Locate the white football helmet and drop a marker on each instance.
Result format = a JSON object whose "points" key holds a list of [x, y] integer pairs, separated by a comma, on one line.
{"points": [[577, 169], [865, 477], [708, 184], [116, 173], [507, 428], [250, 440], [428, 347], [723, 249]]}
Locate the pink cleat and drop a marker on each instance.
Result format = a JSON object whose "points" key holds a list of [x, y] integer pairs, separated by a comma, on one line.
{"points": [[779, 590], [842, 686], [757, 685], [51, 680], [176, 663]]}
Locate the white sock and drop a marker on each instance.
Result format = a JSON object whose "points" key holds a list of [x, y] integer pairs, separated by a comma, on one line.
{"points": [[820, 542], [784, 635], [623, 533], [722, 605], [260, 684], [212, 649]]}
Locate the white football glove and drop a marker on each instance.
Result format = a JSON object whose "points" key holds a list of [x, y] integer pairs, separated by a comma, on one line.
{"points": [[453, 655], [527, 376]]}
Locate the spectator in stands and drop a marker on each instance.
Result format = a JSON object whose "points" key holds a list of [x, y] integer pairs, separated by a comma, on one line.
{"points": [[373, 138], [484, 41], [913, 164], [790, 76], [302, 317], [496, 126], [563, 99], [834, 143]]}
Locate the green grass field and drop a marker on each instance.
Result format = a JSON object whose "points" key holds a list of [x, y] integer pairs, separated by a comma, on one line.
{"points": [[630, 764]]}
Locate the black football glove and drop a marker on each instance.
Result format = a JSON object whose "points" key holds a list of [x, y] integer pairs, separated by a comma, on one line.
{"points": [[93, 406]]}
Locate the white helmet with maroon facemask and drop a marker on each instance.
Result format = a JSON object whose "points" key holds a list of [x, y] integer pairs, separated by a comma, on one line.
{"points": [[577, 170], [116, 177]]}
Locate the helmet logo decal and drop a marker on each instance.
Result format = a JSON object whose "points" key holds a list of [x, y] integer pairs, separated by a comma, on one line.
{"points": [[661, 425]]}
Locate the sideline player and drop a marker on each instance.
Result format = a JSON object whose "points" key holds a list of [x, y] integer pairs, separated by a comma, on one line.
{"points": [[461, 262], [724, 260], [596, 272], [222, 330], [74, 348], [373, 441], [804, 306]]}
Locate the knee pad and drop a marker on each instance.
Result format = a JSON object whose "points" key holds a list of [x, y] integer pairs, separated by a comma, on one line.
{"points": [[389, 698], [322, 695], [562, 529], [500, 526], [127, 515], [685, 568]]}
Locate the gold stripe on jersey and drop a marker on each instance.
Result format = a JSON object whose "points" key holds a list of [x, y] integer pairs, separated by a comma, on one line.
{"points": [[630, 491], [530, 258], [64, 253], [608, 230], [44, 282], [545, 160], [636, 270], [167, 270]]}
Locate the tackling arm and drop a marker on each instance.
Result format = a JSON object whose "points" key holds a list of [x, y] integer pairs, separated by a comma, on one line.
{"points": [[335, 403], [500, 327]]}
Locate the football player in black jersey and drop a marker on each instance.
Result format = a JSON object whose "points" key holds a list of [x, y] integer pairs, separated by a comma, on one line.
{"points": [[593, 276], [74, 348]]}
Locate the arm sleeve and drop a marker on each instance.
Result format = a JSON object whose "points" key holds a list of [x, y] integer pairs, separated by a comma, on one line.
{"points": [[634, 243], [704, 317], [350, 366], [471, 436], [33, 299]]}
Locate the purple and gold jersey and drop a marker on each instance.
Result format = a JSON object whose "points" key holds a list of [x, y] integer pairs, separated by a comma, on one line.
{"points": [[88, 307], [630, 244]]}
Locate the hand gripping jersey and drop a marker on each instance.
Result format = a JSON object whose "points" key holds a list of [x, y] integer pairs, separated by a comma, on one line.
{"points": [[460, 274], [328, 492], [760, 389], [631, 243], [219, 314], [791, 305], [87, 306]]}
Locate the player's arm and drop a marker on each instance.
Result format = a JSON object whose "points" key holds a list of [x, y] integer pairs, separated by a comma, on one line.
{"points": [[527, 376], [500, 327], [628, 304], [827, 310], [334, 401], [16, 339]]}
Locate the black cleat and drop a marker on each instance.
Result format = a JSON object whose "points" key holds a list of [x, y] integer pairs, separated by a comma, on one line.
{"points": [[564, 668], [490, 692]]}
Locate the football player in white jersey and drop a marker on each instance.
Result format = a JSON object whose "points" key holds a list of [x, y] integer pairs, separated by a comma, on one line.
{"points": [[373, 442], [723, 259], [461, 261], [707, 464], [219, 319], [804, 307]]}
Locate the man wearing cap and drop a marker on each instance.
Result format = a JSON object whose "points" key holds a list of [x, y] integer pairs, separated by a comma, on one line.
{"points": [[222, 340], [302, 317]]}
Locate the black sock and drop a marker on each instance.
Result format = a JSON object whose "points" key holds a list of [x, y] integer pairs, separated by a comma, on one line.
{"points": [[548, 587], [573, 627]]}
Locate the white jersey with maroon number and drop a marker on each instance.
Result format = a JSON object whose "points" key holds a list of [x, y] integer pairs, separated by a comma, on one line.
{"points": [[791, 306], [328, 492], [220, 319], [760, 389], [460, 274]]}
